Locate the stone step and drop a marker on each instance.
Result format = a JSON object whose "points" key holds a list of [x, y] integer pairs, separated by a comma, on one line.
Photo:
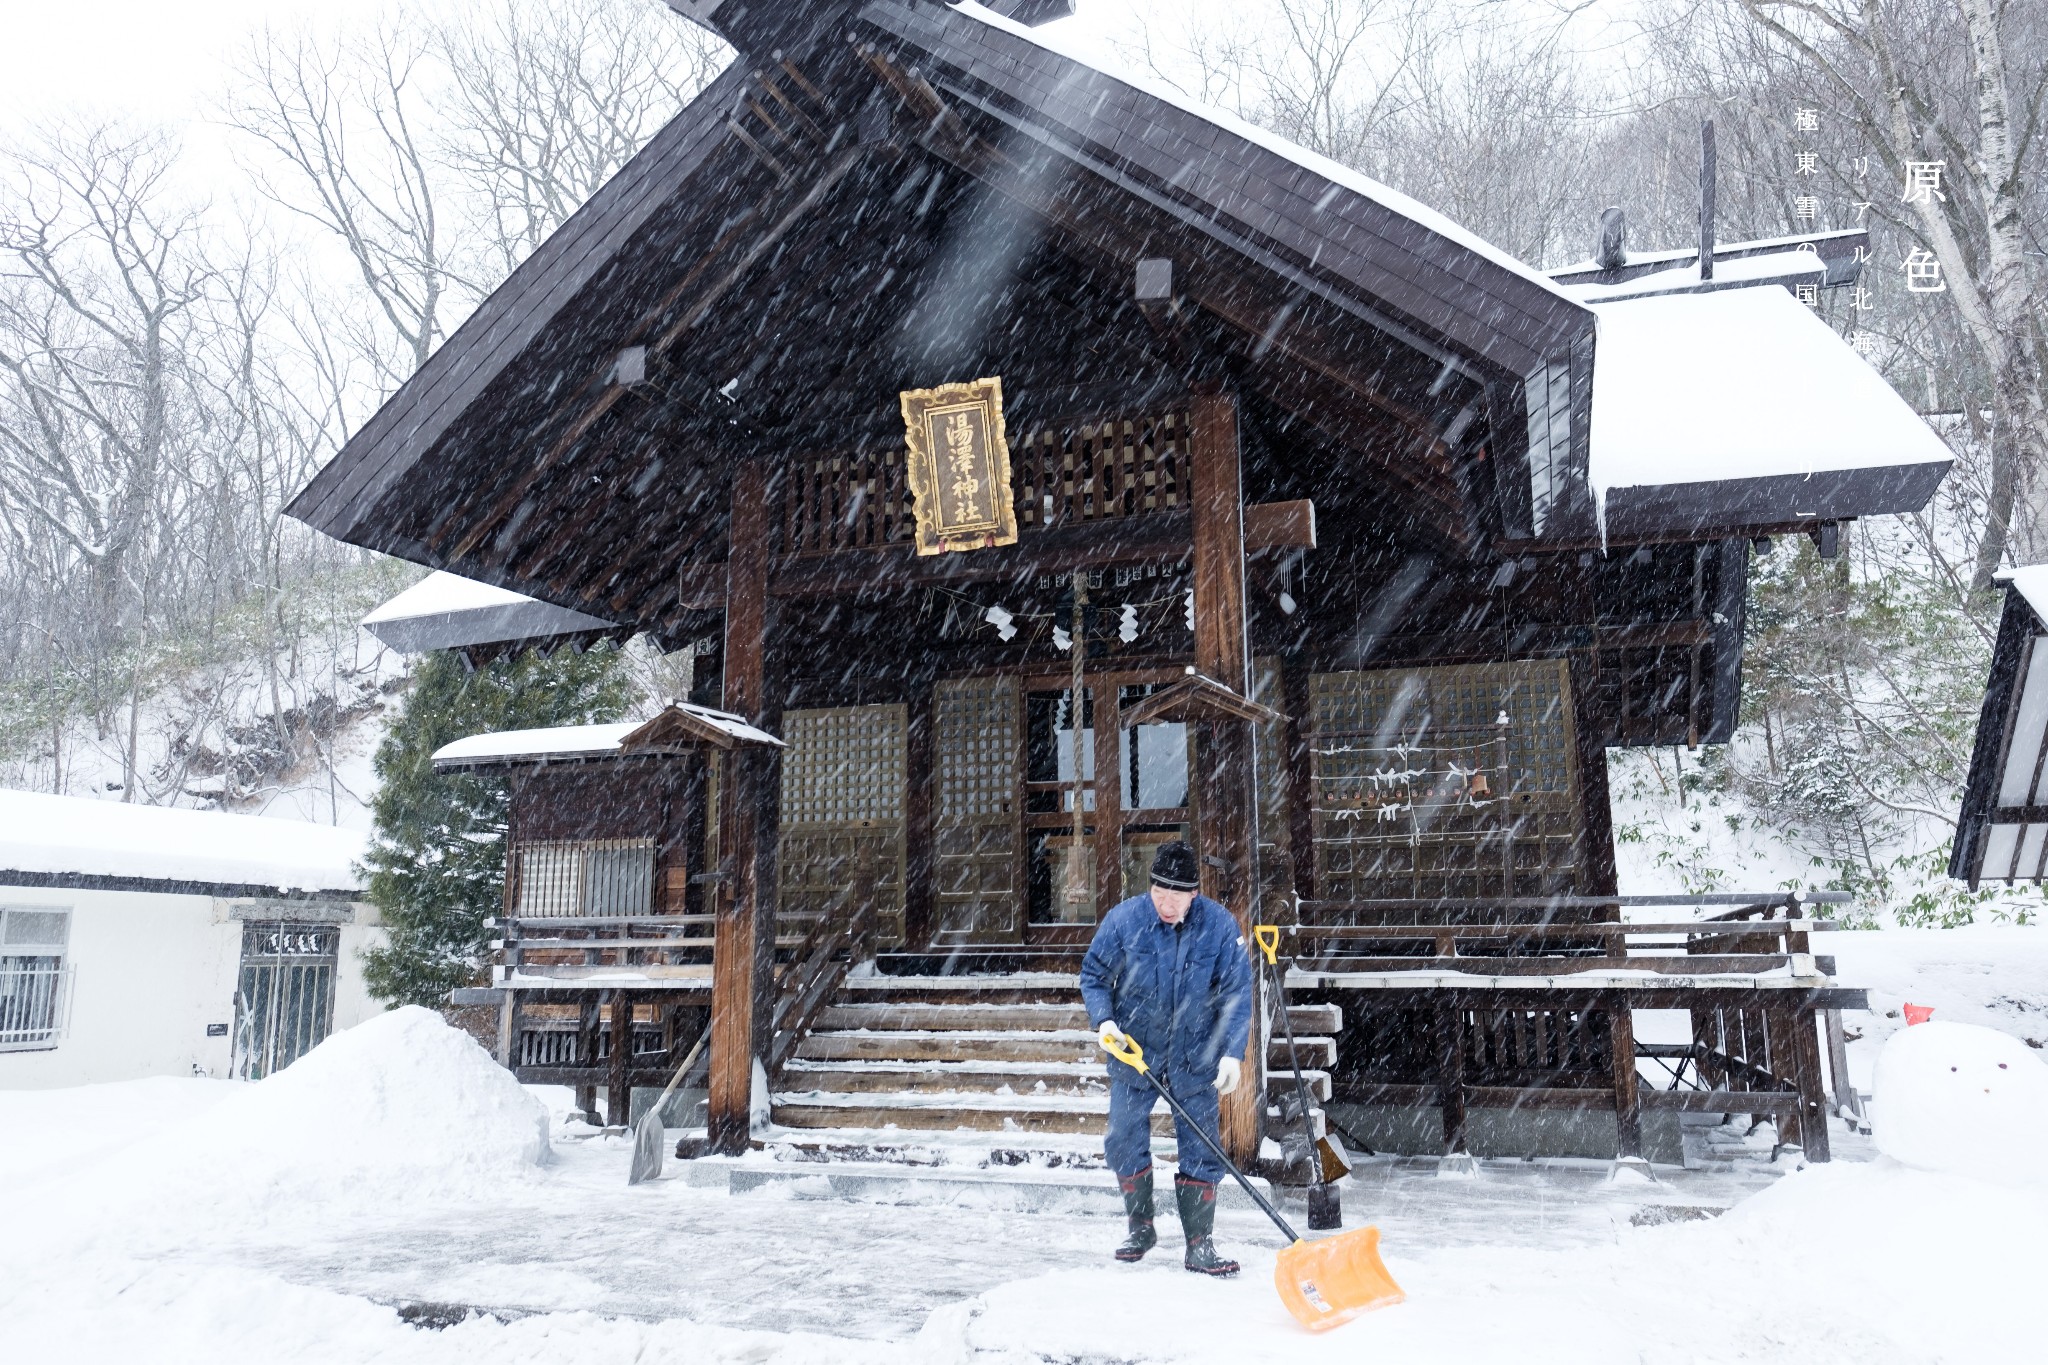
{"points": [[950, 1114], [1032, 1016], [958, 1077], [1023, 1078], [1012, 988], [917, 1046]]}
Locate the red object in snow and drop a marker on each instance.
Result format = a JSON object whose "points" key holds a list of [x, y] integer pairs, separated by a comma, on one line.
{"points": [[1918, 1014]]}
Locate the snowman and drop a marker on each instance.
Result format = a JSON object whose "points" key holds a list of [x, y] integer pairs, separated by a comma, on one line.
{"points": [[1963, 1100]]}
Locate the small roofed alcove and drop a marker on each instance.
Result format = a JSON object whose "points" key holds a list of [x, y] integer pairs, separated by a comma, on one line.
{"points": [[606, 937]]}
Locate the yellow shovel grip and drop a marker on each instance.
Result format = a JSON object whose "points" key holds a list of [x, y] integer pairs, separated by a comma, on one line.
{"points": [[1128, 1052], [1268, 939]]}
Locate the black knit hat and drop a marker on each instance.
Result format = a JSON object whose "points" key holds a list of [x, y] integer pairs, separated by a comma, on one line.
{"points": [[1173, 867]]}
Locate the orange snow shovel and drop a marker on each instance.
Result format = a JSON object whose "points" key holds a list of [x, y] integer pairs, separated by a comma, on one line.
{"points": [[1324, 1283]]}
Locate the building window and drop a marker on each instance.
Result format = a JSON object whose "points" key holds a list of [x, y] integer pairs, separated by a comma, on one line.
{"points": [[586, 877], [35, 980]]}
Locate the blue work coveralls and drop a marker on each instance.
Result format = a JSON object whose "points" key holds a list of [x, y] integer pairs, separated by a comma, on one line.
{"points": [[1185, 994]]}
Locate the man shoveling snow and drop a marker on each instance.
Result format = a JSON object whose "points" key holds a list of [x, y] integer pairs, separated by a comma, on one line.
{"points": [[1168, 970]]}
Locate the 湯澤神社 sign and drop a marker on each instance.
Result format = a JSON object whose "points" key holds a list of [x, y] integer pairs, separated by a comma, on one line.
{"points": [[959, 467]]}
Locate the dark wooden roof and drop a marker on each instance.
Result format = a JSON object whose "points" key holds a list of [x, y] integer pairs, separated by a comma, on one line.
{"points": [[790, 251]]}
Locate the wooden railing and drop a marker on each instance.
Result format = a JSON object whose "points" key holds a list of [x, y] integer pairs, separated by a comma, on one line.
{"points": [[1542, 936], [834, 946], [1061, 474]]}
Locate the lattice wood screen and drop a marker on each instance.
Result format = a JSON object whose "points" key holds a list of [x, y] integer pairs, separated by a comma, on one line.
{"points": [[1059, 474], [843, 780], [1123, 467], [1420, 791], [977, 751]]}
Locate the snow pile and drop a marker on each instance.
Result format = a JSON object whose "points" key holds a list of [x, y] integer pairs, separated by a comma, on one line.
{"points": [[1963, 1100], [401, 1107]]}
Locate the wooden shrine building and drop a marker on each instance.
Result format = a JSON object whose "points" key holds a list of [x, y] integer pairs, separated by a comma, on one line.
{"points": [[1373, 540]]}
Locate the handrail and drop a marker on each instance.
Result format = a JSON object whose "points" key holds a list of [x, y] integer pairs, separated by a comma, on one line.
{"points": [[1749, 901], [816, 971]]}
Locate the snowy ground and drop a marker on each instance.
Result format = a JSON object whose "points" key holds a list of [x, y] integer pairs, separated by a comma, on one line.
{"points": [[305, 1217]]}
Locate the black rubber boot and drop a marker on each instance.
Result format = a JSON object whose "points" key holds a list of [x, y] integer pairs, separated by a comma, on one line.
{"points": [[1138, 1208], [1198, 1219]]}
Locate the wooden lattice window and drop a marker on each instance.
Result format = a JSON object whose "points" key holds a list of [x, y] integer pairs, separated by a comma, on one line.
{"points": [[1457, 782], [978, 745], [563, 878], [843, 778], [1122, 467], [1060, 474], [847, 502]]}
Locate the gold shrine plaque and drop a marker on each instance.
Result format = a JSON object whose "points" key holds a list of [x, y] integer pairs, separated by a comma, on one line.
{"points": [[959, 467]]}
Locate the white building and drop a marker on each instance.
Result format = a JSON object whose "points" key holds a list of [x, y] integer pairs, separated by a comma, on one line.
{"points": [[148, 941]]}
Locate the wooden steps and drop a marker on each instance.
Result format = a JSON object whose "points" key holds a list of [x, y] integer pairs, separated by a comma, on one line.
{"points": [[898, 1061]]}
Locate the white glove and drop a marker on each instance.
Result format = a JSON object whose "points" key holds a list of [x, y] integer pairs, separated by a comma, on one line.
{"points": [[1228, 1072], [1111, 1036]]}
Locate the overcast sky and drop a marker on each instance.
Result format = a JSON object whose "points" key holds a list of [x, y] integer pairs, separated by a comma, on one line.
{"points": [[166, 58]]}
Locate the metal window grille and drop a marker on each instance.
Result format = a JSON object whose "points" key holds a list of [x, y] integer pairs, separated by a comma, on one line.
{"points": [[35, 982], [35, 1002], [284, 1002], [586, 877]]}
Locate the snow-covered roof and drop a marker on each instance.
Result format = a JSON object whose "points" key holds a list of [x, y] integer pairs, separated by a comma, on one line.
{"points": [[554, 741], [78, 841], [1724, 252], [446, 611], [1749, 387], [1777, 267], [1057, 39], [2031, 583], [564, 743]]}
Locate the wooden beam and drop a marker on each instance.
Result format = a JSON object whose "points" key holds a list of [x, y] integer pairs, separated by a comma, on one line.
{"points": [[1227, 817], [743, 975], [1156, 537], [1280, 526]]}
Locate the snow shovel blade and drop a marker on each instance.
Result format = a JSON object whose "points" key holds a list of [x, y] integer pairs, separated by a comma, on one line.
{"points": [[1328, 1282], [648, 1140]]}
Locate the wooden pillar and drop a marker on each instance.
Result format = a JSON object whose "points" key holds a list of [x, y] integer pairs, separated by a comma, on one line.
{"points": [[1301, 814], [618, 1085], [1795, 1047], [1450, 1076], [1109, 807], [1227, 826], [1628, 1102], [1597, 874], [508, 1029], [743, 936], [920, 762]]}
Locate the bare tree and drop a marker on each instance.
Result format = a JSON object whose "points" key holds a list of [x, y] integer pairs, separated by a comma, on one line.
{"points": [[345, 124], [106, 277], [550, 101]]}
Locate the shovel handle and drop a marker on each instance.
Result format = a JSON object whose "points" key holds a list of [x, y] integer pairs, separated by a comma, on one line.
{"points": [[1133, 1056]]}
